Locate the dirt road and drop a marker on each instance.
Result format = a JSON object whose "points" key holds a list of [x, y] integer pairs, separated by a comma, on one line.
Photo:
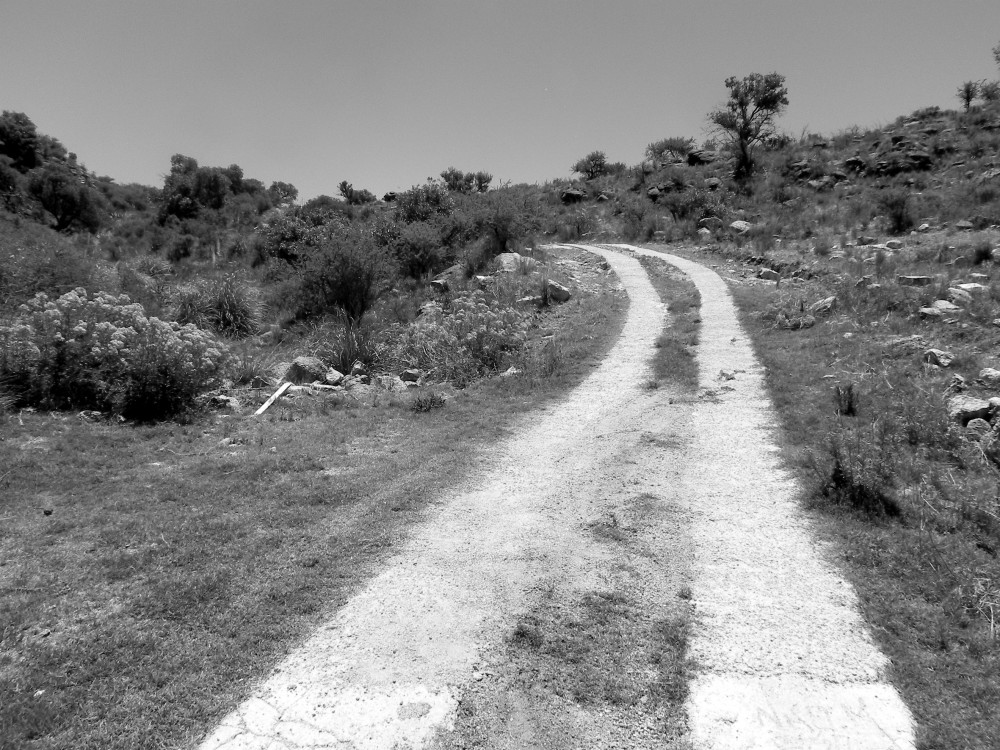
{"points": [[782, 658]]}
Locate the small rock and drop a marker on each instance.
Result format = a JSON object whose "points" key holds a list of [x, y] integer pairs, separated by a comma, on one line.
{"points": [[510, 372], [439, 285], [305, 370], [990, 376], [927, 313], [334, 377], [768, 274], [977, 428], [963, 409], [741, 227], [893, 244], [939, 357], [964, 226], [359, 370], [866, 241], [509, 262], [556, 291], [410, 376], [971, 288], [959, 296], [914, 280], [924, 228], [945, 306], [824, 306], [534, 300], [705, 233]]}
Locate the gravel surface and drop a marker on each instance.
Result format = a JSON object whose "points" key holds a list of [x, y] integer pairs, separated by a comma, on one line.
{"points": [[783, 658]]}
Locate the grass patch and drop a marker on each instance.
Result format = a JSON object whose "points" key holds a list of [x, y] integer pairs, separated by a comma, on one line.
{"points": [[912, 500], [674, 360], [150, 574]]}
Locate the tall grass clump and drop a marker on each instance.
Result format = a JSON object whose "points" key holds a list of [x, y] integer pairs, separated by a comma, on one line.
{"points": [[229, 306]]}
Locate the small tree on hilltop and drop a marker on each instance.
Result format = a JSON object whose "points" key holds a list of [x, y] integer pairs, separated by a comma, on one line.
{"points": [[592, 165], [967, 93], [748, 116]]}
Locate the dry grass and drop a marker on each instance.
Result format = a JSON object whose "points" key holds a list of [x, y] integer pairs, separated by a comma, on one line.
{"points": [[910, 499], [674, 359]]}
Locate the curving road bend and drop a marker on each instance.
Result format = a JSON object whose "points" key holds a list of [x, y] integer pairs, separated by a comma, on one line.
{"points": [[784, 660]]}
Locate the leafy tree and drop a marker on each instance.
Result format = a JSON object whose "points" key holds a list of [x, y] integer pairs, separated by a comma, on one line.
{"points": [[422, 202], [18, 140], [282, 193], [483, 180], [989, 91], [65, 195], [996, 55], [748, 117], [458, 181], [355, 197], [592, 165], [677, 147], [967, 93], [347, 272]]}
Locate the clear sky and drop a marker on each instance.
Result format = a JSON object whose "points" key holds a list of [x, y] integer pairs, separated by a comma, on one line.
{"points": [[386, 94]]}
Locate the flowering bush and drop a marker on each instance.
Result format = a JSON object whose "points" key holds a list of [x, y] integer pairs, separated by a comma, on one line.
{"points": [[102, 352], [472, 337]]}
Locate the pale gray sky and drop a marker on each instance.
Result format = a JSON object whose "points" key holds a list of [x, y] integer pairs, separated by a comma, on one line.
{"points": [[386, 94]]}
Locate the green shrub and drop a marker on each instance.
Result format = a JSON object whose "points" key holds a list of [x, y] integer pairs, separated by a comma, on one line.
{"points": [[419, 249], [347, 273], [345, 342], [102, 352], [895, 202]]}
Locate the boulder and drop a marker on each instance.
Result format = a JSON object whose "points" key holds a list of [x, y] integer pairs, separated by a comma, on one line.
{"points": [[700, 156], [334, 377], [556, 291], [305, 370], [939, 357], [221, 401], [823, 306], [990, 376], [768, 274], [534, 300], [711, 222], [914, 280], [483, 281], [741, 227], [390, 197], [863, 240], [894, 244], [359, 370], [713, 183], [705, 233], [440, 285], [964, 226], [963, 409], [930, 313], [410, 376], [925, 227], [573, 195]]}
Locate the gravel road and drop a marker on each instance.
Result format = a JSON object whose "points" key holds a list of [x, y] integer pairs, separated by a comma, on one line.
{"points": [[783, 659]]}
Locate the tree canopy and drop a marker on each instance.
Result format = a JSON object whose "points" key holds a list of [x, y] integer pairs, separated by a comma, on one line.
{"points": [[748, 116]]}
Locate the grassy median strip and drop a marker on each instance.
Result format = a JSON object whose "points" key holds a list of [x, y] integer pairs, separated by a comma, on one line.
{"points": [[149, 574], [674, 360]]}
